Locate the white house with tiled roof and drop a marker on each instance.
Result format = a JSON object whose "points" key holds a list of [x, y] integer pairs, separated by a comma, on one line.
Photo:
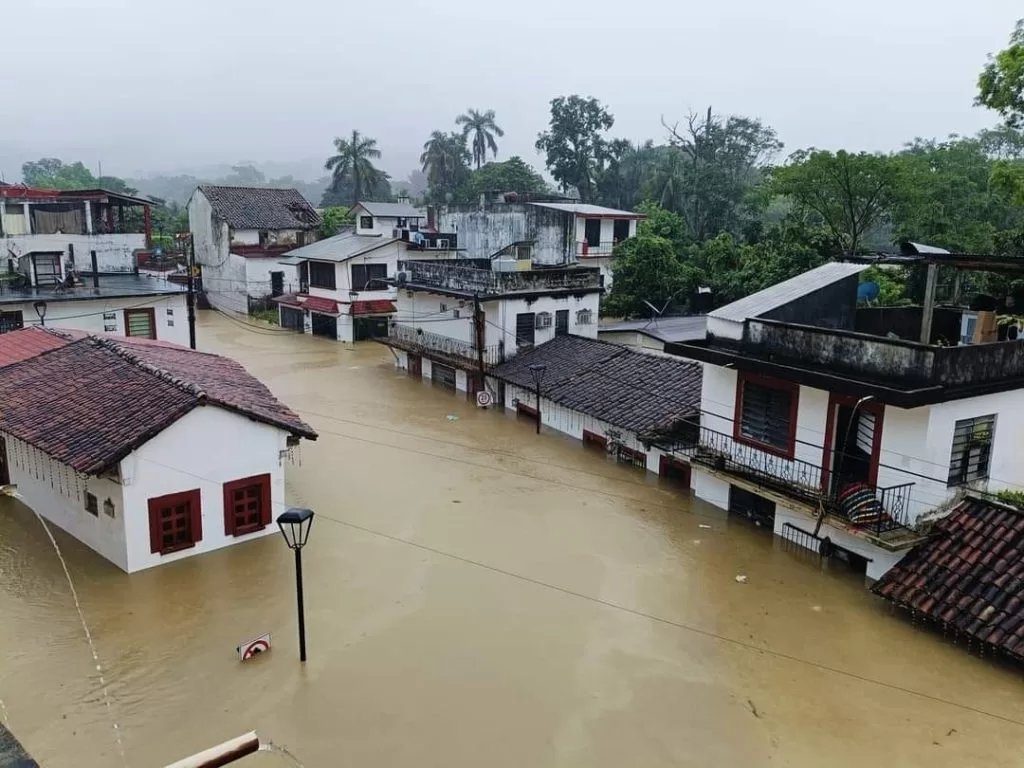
{"points": [[194, 460], [240, 234]]}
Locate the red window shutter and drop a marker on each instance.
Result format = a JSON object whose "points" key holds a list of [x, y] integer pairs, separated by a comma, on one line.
{"points": [[229, 509], [197, 516], [265, 493], [155, 538]]}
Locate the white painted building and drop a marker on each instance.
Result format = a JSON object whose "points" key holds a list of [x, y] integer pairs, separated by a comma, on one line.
{"points": [[599, 393], [438, 334], [651, 336], [549, 232], [87, 230], [803, 412], [240, 235], [193, 462], [386, 219]]}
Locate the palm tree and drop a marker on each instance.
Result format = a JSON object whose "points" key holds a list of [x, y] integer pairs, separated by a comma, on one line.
{"points": [[445, 161], [482, 127], [353, 163]]}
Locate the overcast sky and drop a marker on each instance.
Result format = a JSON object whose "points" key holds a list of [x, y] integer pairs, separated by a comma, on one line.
{"points": [[162, 86]]}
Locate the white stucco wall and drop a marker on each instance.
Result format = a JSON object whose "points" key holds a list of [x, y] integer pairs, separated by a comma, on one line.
{"points": [[257, 275], [114, 253], [205, 449], [381, 225], [88, 315], [422, 310], [484, 232], [57, 492], [224, 274], [503, 313]]}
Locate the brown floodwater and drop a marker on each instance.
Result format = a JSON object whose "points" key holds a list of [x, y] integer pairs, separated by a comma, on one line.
{"points": [[479, 596]]}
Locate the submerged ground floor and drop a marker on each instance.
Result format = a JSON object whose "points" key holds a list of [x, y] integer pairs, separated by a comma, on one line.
{"points": [[476, 594]]}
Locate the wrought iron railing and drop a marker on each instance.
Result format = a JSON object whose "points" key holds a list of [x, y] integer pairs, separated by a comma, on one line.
{"points": [[417, 340], [472, 280], [885, 508]]}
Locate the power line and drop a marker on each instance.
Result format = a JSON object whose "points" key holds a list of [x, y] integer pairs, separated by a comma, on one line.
{"points": [[690, 628]]}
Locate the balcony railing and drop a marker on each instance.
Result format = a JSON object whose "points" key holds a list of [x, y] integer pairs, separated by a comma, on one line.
{"points": [[419, 341], [876, 511], [465, 279]]}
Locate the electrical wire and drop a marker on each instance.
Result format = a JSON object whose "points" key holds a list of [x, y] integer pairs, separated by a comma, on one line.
{"points": [[680, 625]]}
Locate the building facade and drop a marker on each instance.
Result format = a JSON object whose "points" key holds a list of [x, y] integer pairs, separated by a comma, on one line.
{"points": [[545, 233], [240, 235], [458, 318], [194, 462], [839, 438], [85, 231]]}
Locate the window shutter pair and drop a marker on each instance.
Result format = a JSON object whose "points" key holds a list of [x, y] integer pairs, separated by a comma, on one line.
{"points": [[193, 499], [230, 509]]}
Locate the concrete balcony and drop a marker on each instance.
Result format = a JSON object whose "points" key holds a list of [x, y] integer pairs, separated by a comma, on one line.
{"points": [[461, 353], [453, 277]]}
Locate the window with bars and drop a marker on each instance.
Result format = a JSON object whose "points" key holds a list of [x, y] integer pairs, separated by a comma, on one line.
{"points": [[246, 505], [584, 317], [972, 450], [175, 522], [766, 414]]}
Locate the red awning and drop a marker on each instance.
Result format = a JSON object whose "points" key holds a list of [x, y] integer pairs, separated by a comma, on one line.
{"points": [[376, 307], [309, 303]]}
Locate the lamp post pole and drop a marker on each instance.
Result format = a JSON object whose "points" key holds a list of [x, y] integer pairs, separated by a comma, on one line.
{"points": [[295, 525], [299, 602]]}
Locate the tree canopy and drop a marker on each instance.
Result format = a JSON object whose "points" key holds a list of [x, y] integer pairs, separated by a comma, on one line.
{"points": [[574, 145], [480, 129], [1001, 83], [353, 165]]}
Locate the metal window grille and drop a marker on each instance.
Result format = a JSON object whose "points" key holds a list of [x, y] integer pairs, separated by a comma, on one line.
{"points": [[972, 450], [765, 415], [584, 317], [544, 320]]}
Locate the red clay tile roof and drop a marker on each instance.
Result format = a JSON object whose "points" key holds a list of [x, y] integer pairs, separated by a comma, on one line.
{"points": [[969, 578], [375, 307], [312, 303], [91, 402], [29, 342]]}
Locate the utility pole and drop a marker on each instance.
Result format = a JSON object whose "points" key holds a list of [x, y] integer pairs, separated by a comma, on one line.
{"points": [[192, 291], [478, 323]]}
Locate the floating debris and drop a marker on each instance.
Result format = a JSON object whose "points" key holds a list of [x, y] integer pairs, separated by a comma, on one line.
{"points": [[741, 579], [704, 525], [452, 417]]}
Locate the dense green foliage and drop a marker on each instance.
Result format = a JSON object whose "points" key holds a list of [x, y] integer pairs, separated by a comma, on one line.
{"points": [[1001, 83], [480, 128], [574, 144], [353, 166]]}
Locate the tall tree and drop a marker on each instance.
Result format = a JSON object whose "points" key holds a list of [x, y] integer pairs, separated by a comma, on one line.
{"points": [[513, 175], [648, 269], [445, 162], [353, 162], [481, 128], [1001, 83], [626, 172], [851, 193], [51, 173], [574, 144], [720, 162]]}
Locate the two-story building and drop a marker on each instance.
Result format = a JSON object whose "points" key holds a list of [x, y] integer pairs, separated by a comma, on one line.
{"points": [[240, 234], [86, 231], [457, 318], [834, 426], [540, 231], [43, 288], [346, 283]]}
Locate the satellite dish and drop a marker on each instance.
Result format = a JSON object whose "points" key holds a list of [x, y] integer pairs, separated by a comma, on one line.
{"points": [[867, 292]]}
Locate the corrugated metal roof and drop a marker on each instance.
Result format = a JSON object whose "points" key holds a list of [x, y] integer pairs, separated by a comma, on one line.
{"points": [[593, 211], [674, 329], [757, 304], [393, 210], [339, 248]]}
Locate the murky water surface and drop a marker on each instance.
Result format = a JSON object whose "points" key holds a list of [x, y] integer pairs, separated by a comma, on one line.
{"points": [[478, 596]]}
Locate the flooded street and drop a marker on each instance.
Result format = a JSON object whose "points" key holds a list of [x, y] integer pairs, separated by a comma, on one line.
{"points": [[478, 596]]}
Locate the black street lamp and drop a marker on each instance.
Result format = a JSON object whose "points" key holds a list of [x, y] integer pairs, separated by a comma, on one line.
{"points": [[40, 308], [295, 525], [537, 372]]}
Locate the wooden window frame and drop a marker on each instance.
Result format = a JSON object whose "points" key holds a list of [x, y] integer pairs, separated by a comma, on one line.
{"points": [[140, 311], [195, 499], [828, 449], [742, 379], [231, 527]]}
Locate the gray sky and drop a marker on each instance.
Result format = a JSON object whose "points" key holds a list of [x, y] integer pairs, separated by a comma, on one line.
{"points": [[162, 86]]}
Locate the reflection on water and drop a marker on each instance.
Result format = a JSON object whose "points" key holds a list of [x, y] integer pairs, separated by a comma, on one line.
{"points": [[476, 595]]}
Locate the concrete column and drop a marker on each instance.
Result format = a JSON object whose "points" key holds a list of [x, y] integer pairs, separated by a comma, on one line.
{"points": [[929, 303], [88, 217], [28, 219]]}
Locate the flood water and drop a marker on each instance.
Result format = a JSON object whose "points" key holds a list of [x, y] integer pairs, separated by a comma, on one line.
{"points": [[479, 596]]}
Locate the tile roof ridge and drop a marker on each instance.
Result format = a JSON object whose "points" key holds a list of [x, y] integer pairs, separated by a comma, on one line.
{"points": [[60, 334], [133, 358]]}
